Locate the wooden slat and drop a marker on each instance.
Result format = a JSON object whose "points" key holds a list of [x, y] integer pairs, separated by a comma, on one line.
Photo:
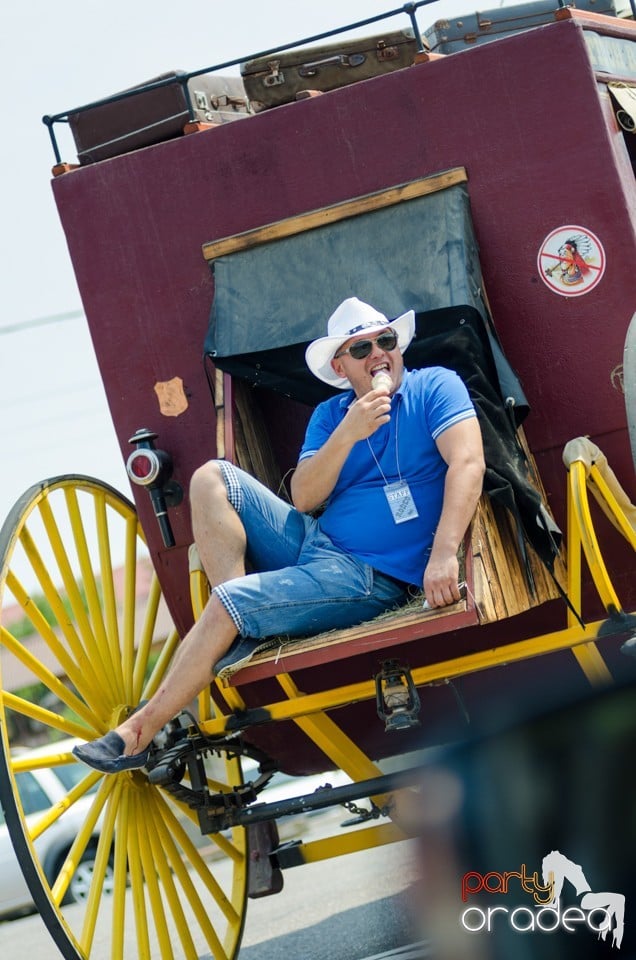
{"points": [[219, 409], [501, 587], [334, 213], [241, 447], [517, 591], [253, 449], [228, 418], [484, 600], [489, 596]]}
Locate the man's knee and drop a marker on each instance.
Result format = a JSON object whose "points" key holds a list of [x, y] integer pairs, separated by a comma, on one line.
{"points": [[207, 484]]}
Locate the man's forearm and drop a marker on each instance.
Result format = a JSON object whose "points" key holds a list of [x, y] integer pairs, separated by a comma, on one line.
{"points": [[462, 489], [315, 477], [461, 448], [461, 494]]}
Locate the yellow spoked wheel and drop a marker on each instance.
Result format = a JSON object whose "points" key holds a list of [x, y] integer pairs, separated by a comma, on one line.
{"points": [[84, 637]]}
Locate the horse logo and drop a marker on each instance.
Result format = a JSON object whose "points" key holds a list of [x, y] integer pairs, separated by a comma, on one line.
{"points": [[556, 869]]}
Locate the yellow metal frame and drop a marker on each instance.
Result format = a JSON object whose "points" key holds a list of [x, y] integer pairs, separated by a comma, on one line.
{"points": [[106, 659], [309, 711], [582, 539]]}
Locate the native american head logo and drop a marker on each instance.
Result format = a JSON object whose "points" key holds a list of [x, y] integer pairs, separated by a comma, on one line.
{"points": [[571, 261]]}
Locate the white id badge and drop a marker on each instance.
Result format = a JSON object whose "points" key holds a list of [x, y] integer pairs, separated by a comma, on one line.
{"points": [[400, 500]]}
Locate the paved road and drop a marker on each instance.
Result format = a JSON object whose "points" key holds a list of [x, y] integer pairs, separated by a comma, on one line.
{"points": [[349, 908], [345, 909]]}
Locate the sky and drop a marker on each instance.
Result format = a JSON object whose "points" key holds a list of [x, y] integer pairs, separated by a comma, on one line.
{"points": [[53, 413]]}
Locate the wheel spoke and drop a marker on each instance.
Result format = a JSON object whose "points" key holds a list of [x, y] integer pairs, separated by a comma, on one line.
{"points": [[161, 666], [78, 636], [154, 893], [145, 639], [84, 654], [172, 896], [54, 813], [108, 592], [128, 616], [37, 668], [75, 854], [113, 809], [229, 847], [92, 592], [120, 873], [197, 862], [74, 670], [137, 882], [46, 717], [51, 760], [189, 891]]}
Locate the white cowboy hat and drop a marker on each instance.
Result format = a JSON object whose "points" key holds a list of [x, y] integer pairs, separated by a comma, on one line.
{"points": [[351, 317]]}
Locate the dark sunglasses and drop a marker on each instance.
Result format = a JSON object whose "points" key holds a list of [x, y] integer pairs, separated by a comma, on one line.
{"points": [[362, 348]]}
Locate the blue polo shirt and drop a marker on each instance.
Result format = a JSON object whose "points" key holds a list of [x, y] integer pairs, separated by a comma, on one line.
{"points": [[357, 517]]}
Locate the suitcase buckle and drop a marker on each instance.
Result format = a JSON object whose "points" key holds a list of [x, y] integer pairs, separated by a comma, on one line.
{"points": [[275, 77], [386, 53]]}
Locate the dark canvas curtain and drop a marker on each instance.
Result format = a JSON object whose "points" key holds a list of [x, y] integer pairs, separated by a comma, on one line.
{"points": [[419, 255]]}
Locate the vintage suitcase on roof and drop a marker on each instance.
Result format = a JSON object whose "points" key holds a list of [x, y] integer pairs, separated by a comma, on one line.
{"points": [[118, 126], [451, 36], [271, 81]]}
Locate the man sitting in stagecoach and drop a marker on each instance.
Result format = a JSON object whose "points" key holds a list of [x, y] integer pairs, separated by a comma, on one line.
{"points": [[398, 461]]}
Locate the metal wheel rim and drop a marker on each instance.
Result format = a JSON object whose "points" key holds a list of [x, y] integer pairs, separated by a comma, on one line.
{"points": [[179, 911], [80, 884]]}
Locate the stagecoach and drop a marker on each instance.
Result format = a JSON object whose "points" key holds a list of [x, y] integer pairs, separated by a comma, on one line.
{"points": [[490, 190]]}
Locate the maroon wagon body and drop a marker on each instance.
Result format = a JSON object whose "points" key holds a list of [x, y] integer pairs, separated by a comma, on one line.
{"points": [[533, 124]]}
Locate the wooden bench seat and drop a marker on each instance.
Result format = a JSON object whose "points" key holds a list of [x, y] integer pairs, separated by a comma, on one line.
{"points": [[492, 569], [495, 588]]}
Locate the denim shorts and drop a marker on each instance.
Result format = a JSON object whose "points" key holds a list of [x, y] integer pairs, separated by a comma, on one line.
{"points": [[302, 583]]}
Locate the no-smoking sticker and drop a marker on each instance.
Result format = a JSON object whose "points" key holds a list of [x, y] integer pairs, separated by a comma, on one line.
{"points": [[571, 261]]}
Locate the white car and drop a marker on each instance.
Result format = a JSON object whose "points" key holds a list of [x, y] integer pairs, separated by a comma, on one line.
{"points": [[283, 786], [39, 790]]}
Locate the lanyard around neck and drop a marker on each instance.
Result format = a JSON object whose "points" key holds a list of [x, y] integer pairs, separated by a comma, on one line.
{"points": [[397, 455]]}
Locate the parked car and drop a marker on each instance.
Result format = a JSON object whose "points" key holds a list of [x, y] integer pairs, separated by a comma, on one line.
{"points": [[282, 786], [39, 790]]}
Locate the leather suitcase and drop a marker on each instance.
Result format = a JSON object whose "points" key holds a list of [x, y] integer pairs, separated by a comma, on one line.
{"points": [[451, 36], [271, 81], [119, 126]]}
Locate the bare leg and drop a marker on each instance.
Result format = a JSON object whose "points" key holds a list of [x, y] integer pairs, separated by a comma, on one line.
{"points": [[221, 542], [189, 674], [218, 531]]}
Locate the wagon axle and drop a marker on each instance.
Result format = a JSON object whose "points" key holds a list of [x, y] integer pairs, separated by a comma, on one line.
{"points": [[218, 811]]}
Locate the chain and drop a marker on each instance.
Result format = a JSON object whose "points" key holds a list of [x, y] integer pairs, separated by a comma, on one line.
{"points": [[362, 812]]}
